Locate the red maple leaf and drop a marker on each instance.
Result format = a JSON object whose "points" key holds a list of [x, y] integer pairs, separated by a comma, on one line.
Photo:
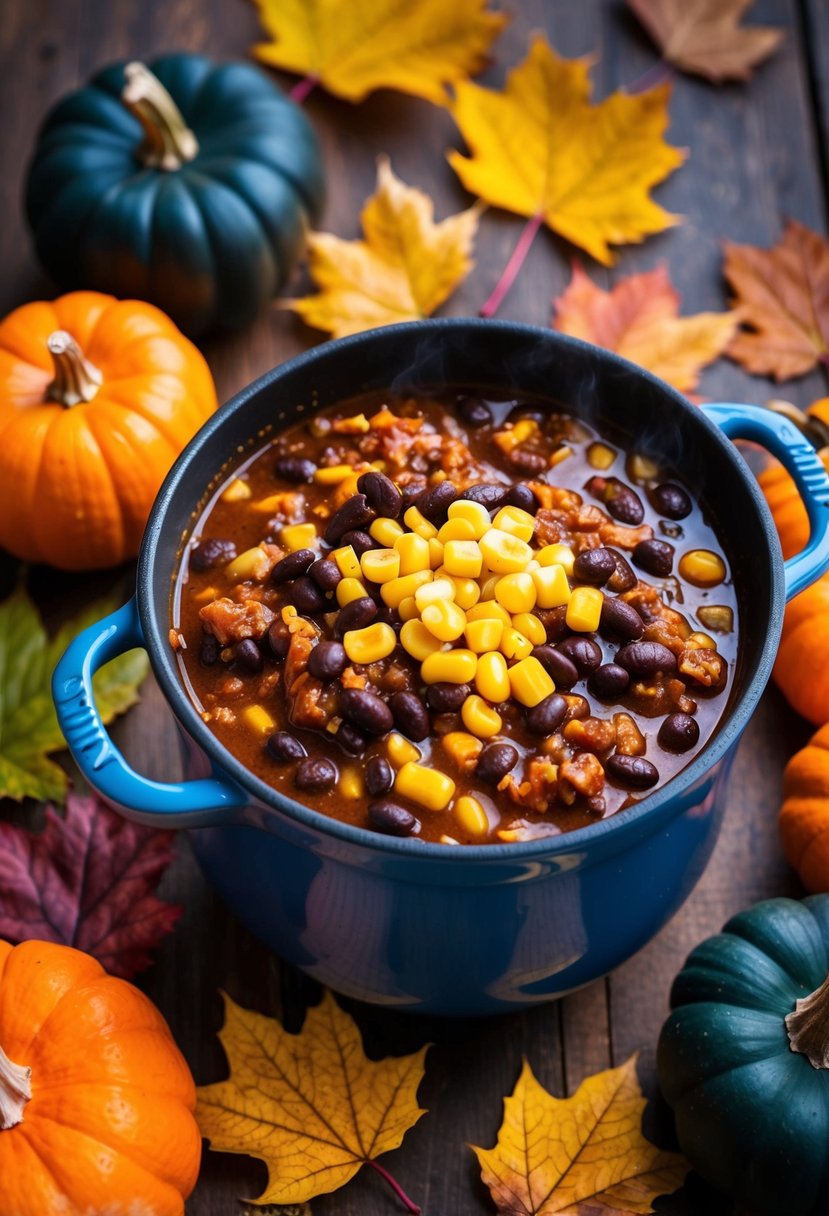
{"points": [[87, 880]]}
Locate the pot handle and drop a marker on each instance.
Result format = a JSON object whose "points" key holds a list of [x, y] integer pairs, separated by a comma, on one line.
{"points": [[782, 438], [103, 766]]}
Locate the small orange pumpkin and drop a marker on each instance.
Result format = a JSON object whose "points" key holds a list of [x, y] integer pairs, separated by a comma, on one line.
{"points": [[804, 815], [97, 398], [96, 1101]]}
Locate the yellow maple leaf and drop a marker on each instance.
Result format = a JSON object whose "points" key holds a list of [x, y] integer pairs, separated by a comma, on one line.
{"points": [[403, 270], [541, 149], [310, 1105], [580, 1154], [353, 48], [639, 319]]}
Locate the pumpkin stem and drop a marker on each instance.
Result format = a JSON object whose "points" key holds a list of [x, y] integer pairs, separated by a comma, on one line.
{"points": [[168, 141], [76, 379], [15, 1091], [808, 1026], [815, 429]]}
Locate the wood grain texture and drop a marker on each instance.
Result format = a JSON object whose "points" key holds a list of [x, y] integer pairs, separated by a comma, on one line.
{"points": [[753, 162]]}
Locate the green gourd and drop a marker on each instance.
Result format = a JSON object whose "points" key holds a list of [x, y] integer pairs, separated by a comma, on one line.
{"points": [[743, 1058], [186, 183]]}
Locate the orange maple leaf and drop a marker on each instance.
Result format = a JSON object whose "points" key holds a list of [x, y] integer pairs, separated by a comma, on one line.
{"points": [[783, 296], [639, 318], [705, 36]]}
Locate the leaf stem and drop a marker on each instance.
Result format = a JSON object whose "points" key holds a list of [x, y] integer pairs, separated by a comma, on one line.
{"points": [[397, 1188], [510, 272], [658, 73], [303, 87]]}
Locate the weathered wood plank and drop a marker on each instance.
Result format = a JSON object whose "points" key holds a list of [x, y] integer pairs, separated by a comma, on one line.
{"points": [[816, 46]]}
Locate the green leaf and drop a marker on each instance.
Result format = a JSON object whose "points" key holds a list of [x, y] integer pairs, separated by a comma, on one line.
{"points": [[29, 729]]}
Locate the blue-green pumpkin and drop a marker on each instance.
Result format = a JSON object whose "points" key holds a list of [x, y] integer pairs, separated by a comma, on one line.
{"points": [[743, 1058], [186, 183]]}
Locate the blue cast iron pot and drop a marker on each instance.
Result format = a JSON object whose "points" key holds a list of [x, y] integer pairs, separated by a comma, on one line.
{"points": [[419, 926]]}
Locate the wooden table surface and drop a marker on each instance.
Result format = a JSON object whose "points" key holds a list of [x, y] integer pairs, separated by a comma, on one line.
{"points": [[758, 155]]}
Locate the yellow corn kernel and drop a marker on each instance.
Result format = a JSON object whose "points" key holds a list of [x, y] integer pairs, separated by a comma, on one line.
{"points": [[584, 609], [483, 635], [414, 553], [401, 751], [516, 522], [350, 784], [399, 589], [702, 567], [503, 552], [551, 586], [516, 592], [426, 786], [479, 718], [385, 532], [348, 563], [418, 641], [368, 645], [436, 550], [444, 619], [467, 591], [559, 455], [419, 523], [456, 529], [600, 456], [529, 682], [557, 555], [349, 589], [206, 595], [491, 678], [475, 513], [346, 488], [257, 719], [514, 644], [507, 440], [253, 563], [700, 641], [531, 627], [298, 536], [471, 816], [489, 610], [357, 424], [237, 491], [463, 557], [430, 593], [449, 667], [333, 475], [407, 609], [380, 565], [488, 586], [462, 748]]}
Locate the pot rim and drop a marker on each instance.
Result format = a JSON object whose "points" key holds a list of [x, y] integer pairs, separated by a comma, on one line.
{"points": [[620, 824]]}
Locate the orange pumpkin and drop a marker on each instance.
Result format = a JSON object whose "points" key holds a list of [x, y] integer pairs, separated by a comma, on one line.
{"points": [[804, 815], [97, 398], [96, 1101]]}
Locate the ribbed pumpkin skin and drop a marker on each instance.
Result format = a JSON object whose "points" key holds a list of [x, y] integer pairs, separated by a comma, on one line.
{"points": [[77, 484], [752, 1116], [804, 815], [210, 242], [110, 1126]]}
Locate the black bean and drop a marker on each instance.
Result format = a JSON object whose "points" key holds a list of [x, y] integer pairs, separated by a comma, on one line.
{"points": [[355, 615], [678, 733], [411, 492], [495, 761], [366, 711], [434, 503], [655, 557], [667, 528], [394, 820], [474, 412], [594, 566], [554, 621], [209, 650], [633, 771], [306, 596], [354, 513], [248, 655], [350, 739], [210, 552], [325, 573], [360, 541], [292, 566], [284, 747], [620, 620], [279, 639], [327, 660], [382, 494], [293, 468], [526, 461], [624, 579], [410, 715], [597, 804], [379, 776], [547, 716], [646, 658], [583, 653], [608, 682], [623, 503], [563, 670], [446, 698], [671, 500], [520, 495], [487, 494], [316, 773]]}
